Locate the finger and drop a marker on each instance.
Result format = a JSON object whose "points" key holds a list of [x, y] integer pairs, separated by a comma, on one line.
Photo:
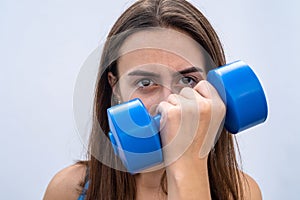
{"points": [[189, 93], [205, 89], [163, 108], [174, 99]]}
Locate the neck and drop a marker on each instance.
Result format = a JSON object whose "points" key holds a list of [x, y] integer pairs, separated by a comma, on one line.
{"points": [[149, 179], [148, 184]]}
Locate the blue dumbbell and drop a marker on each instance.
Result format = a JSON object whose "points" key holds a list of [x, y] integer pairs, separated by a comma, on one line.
{"points": [[134, 134]]}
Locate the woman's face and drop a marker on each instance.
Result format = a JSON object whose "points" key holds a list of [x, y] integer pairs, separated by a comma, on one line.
{"points": [[153, 64]]}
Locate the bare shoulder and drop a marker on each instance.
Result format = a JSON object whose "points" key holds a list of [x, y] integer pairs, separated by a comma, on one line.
{"points": [[251, 188], [65, 184]]}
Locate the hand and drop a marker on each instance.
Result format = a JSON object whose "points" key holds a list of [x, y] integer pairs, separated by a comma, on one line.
{"points": [[190, 122]]}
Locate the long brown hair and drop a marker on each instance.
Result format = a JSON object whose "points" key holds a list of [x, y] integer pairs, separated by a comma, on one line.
{"points": [[107, 183]]}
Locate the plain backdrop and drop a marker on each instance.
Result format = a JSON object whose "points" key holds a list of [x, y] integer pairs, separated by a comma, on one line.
{"points": [[43, 45]]}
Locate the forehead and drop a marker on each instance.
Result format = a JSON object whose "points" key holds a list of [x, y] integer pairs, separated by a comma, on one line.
{"points": [[160, 46], [151, 59]]}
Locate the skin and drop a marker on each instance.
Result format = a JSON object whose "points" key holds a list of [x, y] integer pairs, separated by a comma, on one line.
{"points": [[156, 77], [170, 82]]}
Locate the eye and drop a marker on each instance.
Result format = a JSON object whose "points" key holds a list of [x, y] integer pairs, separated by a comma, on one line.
{"points": [[145, 83], [191, 82]]}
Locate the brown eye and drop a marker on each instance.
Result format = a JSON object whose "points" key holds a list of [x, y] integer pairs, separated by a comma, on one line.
{"points": [[187, 81], [145, 83]]}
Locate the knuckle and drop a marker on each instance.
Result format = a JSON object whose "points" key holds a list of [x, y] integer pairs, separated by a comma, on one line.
{"points": [[202, 85], [186, 91], [172, 97]]}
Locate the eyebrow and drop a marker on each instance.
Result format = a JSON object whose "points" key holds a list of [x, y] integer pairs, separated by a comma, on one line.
{"points": [[191, 70], [143, 73], [156, 75]]}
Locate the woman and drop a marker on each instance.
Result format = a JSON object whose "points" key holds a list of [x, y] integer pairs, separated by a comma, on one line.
{"points": [[159, 51]]}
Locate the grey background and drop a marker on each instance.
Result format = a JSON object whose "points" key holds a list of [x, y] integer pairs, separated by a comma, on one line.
{"points": [[43, 45]]}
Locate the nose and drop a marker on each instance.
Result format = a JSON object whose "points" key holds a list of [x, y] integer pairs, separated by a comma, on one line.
{"points": [[159, 97], [166, 91]]}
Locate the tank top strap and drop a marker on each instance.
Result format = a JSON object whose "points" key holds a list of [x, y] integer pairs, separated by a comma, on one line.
{"points": [[84, 190], [86, 185]]}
